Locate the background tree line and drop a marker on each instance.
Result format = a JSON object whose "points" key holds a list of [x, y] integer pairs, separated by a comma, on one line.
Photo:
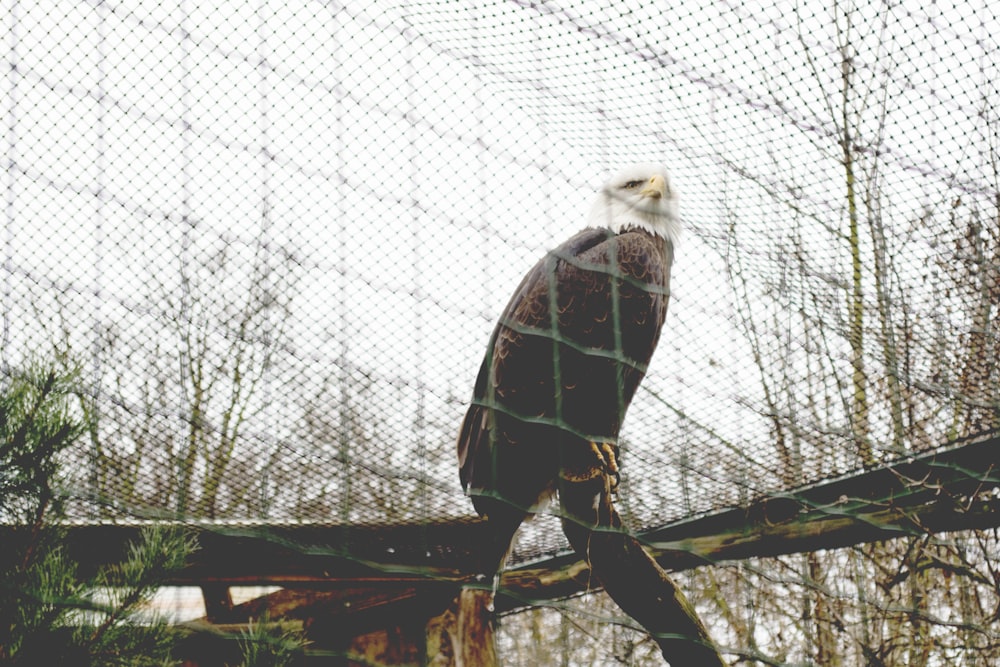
{"points": [[869, 318]]}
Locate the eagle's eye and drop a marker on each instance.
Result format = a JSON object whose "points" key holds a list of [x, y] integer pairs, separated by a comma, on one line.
{"points": [[633, 184]]}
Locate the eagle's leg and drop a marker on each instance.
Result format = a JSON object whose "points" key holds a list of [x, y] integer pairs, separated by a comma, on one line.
{"points": [[601, 459], [502, 521], [608, 453], [630, 575]]}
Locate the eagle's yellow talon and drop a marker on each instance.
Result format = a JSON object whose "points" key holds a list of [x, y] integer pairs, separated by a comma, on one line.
{"points": [[609, 456], [605, 453]]}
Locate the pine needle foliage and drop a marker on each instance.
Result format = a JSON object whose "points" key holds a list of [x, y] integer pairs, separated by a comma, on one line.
{"points": [[265, 644], [35, 426], [49, 614]]}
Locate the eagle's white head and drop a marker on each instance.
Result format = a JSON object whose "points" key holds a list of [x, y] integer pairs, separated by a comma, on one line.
{"points": [[638, 196]]}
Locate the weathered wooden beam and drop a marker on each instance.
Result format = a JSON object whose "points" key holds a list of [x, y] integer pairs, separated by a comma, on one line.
{"points": [[814, 531], [474, 634], [566, 575], [948, 490], [263, 553], [374, 601]]}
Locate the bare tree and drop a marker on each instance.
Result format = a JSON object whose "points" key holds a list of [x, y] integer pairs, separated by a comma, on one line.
{"points": [[181, 385]]}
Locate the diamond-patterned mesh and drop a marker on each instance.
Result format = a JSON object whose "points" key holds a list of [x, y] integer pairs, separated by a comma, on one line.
{"points": [[275, 236]]}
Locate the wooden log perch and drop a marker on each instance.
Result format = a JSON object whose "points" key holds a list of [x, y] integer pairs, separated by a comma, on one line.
{"points": [[477, 643], [631, 576], [362, 578]]}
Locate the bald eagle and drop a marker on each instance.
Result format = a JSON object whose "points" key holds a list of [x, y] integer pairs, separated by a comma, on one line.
{"points": [[568, 354]]}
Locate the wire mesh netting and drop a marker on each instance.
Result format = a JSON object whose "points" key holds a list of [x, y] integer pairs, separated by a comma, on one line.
{"points": [[274, 237]]}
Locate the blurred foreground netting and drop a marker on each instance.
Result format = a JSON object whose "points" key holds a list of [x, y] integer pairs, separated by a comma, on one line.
{"points": [[273, 239]]}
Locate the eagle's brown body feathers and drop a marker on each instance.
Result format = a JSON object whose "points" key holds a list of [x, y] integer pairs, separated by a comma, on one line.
{"points": [[560, 371], [551, 382]]}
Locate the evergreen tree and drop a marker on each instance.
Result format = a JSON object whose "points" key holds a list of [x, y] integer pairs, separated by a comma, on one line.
{"points": [[49, 614]]}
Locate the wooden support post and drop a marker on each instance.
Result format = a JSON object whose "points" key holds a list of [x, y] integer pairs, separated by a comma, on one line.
{"points": [[476, 642], [397, 645], [218, 602], [441, 638]]}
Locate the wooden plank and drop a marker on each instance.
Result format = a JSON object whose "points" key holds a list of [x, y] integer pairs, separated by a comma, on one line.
{"points": [[247, 553], [947, 490]]}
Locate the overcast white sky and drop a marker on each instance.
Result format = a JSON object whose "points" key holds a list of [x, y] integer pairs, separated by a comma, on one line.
{"points": [[419, 156]]}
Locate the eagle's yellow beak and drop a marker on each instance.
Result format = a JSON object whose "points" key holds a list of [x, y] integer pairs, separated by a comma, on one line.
{"points": [[655, 188]]}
